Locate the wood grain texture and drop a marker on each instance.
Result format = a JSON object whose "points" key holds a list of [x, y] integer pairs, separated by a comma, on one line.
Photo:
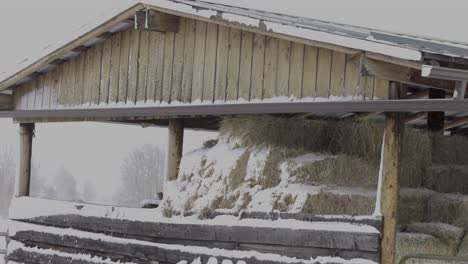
{"points": [[381, 88], [271, 68], [245, 67], [168, 64], [143, 62], [222, 63], [155, 66], [233, 64], [133, 62], [115, 68], [258, 65], [353, 76], [62, 92], [296, 70], [39, 92], [324, 73], [199, 61], [209, 74], [284, 62], [47, 90], [178, 63], [189, 54], [124, 66], [310, 72], [71, 79], [105, 71], [79, 80], [338, 71]]}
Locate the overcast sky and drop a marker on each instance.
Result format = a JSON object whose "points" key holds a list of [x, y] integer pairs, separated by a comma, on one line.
{"points": [[93, 151]]}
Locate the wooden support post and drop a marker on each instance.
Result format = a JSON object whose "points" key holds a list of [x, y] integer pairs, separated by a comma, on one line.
{"points": [[435, 120], [390, 181], [26, 133], [175, 146]]}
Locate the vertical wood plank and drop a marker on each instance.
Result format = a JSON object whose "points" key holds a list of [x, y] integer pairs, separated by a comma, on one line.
{"points": [[39, 92], [71, 76], [284, 62], [105, 71], [47, 90], [63, 71], [178, 66], [79, 80], [380, 88], [391, 182], [97, 61], [369, 87], [221, 63], [258, 64], [168, 64], [245, 69], [88, 76], [55, 89], [21, 93], [233, 64], [353, 75], [296, 71], [199, 61], [337, 82], [31, 94], [155, 66], [143, 62], [189, 54], [309, 85], [133, 67], [209, 75], [115, 68], [324, 73], [124, 66], [271, 67]]}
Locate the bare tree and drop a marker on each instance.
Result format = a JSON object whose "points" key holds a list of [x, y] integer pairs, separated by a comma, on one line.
{"points": [[7, 178], [142, 174]]}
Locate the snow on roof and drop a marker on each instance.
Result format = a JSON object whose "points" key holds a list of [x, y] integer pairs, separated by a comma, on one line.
{"points": [[400, 46]]}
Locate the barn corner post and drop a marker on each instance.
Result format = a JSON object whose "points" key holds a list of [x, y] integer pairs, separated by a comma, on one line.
{"points": [[174, 148], [23, 178], [391, 179]]}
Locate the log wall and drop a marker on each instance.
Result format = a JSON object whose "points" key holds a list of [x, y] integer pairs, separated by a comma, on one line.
{"points": [[202, 62]]}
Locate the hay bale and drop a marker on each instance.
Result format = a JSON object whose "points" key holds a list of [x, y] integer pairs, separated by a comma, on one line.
{"points": [[329, 203], [413, 205], [463, 249], [416, 243], [448, 208], [340, 170], [448, 234], [447, 178], [450, 149]]}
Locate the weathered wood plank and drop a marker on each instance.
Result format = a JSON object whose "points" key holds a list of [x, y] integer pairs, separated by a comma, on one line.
{"points": [[63, 70], [284, 62], [234, 53], [178, 63], [189, 53], [23, 178], [353, 76], [143, 61], [324, 73], [105, 71], [209, 75], [310, 72], [47, 90], [39, 92], [297, 70], [133, 66], [175, 148], [155, 66], [79, 80], [55, 89], [338, 70], [245, 68], [168, 65], [369, 83], [199, 61], [22, 93], [380, 88], [88, 76], [115, 68], [258, 64], [124, 66], [71, 77], [222, 63], [96, 79], [271, 67]]}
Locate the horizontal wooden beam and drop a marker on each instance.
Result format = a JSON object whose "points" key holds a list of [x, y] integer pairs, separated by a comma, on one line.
{"points": [[415, 116], [405, 75], [457, 122], [156, 21]]}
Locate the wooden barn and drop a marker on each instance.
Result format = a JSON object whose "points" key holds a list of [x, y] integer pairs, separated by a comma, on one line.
{"points": [[188, 64]]}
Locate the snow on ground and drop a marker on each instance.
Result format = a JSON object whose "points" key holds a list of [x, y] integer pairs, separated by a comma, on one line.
{"points": [[215, 252]]}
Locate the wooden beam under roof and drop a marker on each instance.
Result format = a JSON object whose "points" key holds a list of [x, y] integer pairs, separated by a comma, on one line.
{"points": [[455, 123], [156, 21], [6, 101]]}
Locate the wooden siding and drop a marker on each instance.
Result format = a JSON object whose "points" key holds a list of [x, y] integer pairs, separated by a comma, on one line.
{"points": [[202, 62]]}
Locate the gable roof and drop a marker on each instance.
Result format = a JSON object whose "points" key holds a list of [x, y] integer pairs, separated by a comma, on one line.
{"points": [[316, 32]]}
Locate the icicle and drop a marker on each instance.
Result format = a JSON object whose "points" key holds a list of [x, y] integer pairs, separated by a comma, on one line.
{"points": [[378, 197]]}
